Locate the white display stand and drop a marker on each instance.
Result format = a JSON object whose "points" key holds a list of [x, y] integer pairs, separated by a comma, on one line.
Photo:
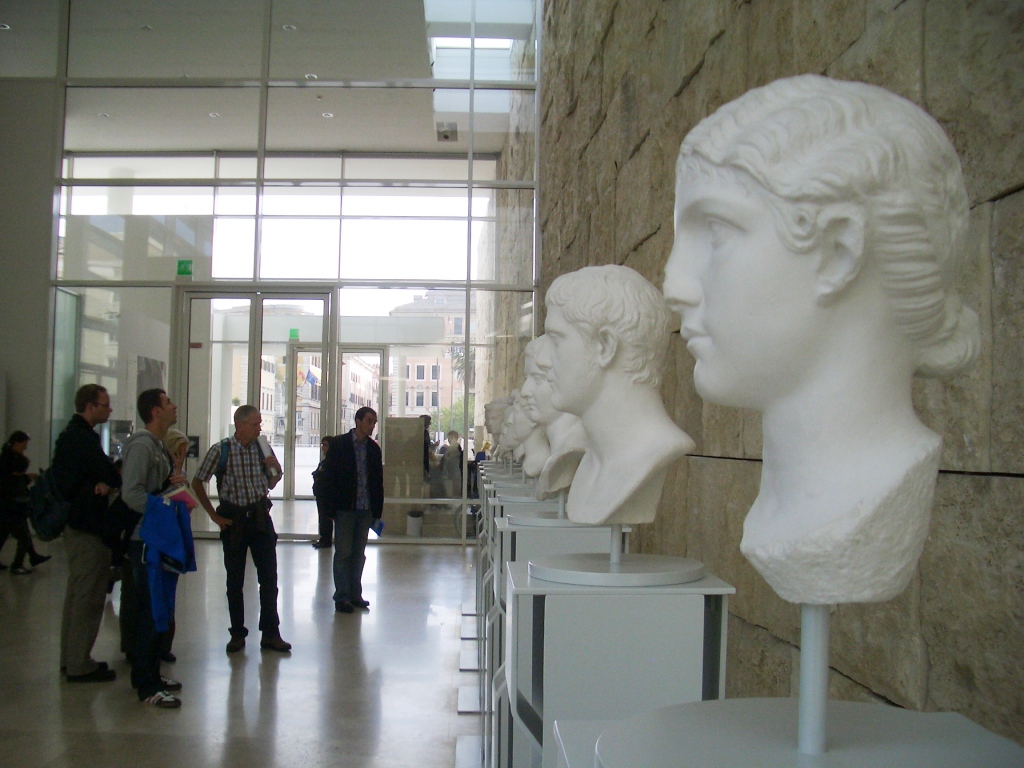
{"points": [[519, 538], [497, 732], [631, 571], [617, 569], [597, 652], [762, 732]]}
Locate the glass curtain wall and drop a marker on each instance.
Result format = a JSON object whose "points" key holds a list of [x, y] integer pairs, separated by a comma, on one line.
{"points": [[385, 153]]}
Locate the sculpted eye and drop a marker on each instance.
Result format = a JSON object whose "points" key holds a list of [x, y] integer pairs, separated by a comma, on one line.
{"points": [[719, 232]]}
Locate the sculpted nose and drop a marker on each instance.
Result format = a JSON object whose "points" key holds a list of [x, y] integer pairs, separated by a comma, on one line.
{"points": [[681, 287]]}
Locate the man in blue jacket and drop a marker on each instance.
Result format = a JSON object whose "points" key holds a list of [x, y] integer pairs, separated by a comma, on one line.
{"points": [[354, 491], [85, 476], [148, 469]]}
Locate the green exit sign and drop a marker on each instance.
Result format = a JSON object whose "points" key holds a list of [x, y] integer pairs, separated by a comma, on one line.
{"points": [[293, 334], [184, 267]]}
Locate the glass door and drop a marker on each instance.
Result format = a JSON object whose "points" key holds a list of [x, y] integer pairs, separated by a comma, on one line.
{"points": [[306, 417], [268, 351], [291, 383]]}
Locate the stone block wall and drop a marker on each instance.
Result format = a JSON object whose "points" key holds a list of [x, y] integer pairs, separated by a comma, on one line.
{"points": [[622, 83]]}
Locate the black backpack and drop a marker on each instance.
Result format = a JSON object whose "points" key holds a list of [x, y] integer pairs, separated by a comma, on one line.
{"points": [[47, 508]]}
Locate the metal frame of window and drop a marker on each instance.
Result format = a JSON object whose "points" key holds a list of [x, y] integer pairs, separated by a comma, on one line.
{"points": [[257, 287]]}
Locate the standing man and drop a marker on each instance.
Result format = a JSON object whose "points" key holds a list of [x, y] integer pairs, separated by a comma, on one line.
{"points": [[85, 476], [148, 469], [244, 479], [354, 480]]}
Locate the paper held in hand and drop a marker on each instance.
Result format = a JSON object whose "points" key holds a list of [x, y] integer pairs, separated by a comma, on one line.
{"points": [[182, 493]]}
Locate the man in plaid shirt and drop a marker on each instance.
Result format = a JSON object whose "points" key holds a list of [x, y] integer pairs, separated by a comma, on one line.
{"points": [[243, 517]]}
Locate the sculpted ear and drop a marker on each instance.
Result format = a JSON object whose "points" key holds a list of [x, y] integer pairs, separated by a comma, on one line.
{"points": [[607, 344], [841, 249]]}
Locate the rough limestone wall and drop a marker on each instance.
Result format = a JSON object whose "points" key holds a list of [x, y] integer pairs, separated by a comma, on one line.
{"points": [[622, 83], [506, 316]]}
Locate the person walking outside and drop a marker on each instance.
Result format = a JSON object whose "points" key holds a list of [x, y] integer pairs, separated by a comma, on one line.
{"points": [[244, 479]]}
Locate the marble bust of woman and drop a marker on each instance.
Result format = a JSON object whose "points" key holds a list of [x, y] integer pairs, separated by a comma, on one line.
{"points": [[819, 226]]}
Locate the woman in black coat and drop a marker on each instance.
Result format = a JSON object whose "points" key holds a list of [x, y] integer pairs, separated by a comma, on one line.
{"points": [[14, 482]]}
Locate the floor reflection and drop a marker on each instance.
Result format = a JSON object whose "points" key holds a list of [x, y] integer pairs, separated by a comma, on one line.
{"points": [[366, 689]]}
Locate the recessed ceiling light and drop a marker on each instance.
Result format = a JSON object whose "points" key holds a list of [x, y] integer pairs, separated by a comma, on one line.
{"points": [[311, 76], [215, 114], [289, 27], [328, 114]]}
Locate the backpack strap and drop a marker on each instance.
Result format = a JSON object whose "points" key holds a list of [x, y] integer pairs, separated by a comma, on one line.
{"points": [[225, 448]]}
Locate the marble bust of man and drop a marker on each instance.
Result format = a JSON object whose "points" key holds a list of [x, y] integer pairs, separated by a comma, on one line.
{"points": [[608, 330], [535, 445], [562, 432], [516, 429], [819, 225], [494, 417]]}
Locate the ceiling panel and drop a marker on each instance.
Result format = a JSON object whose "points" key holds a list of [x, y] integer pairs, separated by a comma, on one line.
{"points": [[353, 40], [169, 38], [366, 120], [161, 119], [28, 38]]}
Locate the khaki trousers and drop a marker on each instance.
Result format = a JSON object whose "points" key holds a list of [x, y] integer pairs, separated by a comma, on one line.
{"points": [[88, 574]]}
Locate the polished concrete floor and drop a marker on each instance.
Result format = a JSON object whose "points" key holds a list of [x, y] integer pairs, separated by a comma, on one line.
{"points": [[358, 690]]}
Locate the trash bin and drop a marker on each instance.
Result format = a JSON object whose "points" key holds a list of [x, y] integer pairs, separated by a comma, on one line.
{"points": [[414, 524]]}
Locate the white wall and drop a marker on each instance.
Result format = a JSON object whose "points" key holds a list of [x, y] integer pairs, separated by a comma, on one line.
{"points": [[29, 120]]}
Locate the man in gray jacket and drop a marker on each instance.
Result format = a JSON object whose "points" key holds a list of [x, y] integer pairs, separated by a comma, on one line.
{"points": [[148, 470]]}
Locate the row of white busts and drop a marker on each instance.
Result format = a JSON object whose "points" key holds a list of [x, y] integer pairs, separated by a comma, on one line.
{"points": [[819, 226]]}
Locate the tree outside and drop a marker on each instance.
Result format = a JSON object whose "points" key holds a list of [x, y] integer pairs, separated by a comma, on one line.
{"points": [[454, 417]]}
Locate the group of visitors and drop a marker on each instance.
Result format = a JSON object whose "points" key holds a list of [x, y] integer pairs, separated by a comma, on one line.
{"points": [[117, 517]]}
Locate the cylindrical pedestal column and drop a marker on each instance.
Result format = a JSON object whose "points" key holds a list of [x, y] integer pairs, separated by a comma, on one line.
{"points": [[813, 679], [616, 545]]}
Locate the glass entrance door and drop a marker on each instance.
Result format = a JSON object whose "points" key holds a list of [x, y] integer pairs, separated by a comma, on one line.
{"points": [[271, 352], [305, 417]]}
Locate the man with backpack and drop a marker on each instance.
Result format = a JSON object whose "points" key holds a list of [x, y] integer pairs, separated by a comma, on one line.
{"points": [[244, 479], [148, 470], [85, 475]]}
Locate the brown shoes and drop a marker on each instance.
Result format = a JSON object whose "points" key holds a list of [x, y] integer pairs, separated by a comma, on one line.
{"points": [[274, 644]]}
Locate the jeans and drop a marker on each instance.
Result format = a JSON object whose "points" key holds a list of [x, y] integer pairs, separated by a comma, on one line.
{"points": [[144, 638], [251, 533], [351, 530]]}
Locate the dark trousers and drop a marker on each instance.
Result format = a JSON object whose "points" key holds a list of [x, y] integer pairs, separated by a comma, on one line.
{"points": [[326, 524], [351, 530], [144, 638], [14, 523], [126, 616], [251, 530]]}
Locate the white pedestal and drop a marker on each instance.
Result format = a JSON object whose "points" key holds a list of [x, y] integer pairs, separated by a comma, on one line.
{"points": [[763, 733], [544, 519], [593, 569], [591, 652]]}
